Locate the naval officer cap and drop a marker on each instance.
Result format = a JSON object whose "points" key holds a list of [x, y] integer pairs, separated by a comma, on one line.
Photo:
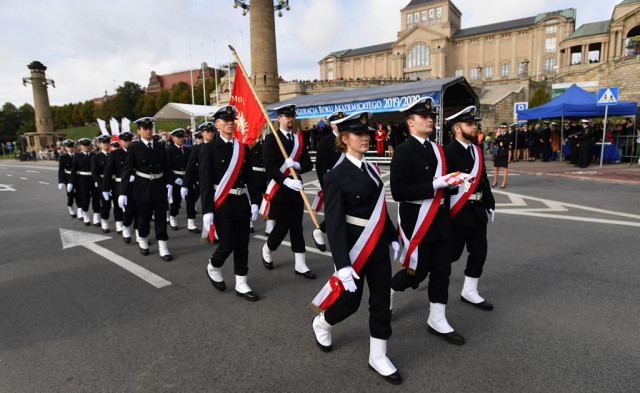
{"points": [[357, 123], [104, 139], [126, 136], [178, 132], [206, 126], [336, 116], [197, 135], [115, 144], [145, 122], [424, 106], [69, 143], [504, 125], [585, 121], [84, 141], [546, 122], [227, 112], [467, 115], [288, 110]]}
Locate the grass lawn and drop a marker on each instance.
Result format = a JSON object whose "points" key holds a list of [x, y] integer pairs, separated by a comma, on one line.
{"points": [[92, 131]]}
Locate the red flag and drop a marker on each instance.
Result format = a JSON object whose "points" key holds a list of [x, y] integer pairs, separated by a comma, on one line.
{"points": [[249, 118]]}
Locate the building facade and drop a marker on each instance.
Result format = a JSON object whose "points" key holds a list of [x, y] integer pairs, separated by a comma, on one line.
{"points": [[167, 81]]}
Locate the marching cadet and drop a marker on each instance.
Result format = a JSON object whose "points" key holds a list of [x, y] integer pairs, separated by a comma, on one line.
{"points": [[420, 185], [469, 207], [225, 175], [111, 185], [147, 160], [282, 200], [259, 178], [98, 162], [585, 141], [178, 156], [81, 180], [65, 164], [327, 156], [190, 185], [360, 232]]}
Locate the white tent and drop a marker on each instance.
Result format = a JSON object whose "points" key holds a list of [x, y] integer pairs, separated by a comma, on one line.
{"points": [[175, 111]]}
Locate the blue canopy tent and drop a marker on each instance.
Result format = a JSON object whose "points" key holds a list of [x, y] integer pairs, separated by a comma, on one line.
{"points": [[576, 102]]}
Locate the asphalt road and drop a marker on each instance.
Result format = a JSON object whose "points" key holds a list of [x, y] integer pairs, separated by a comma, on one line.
{"points": [[562, 272]]}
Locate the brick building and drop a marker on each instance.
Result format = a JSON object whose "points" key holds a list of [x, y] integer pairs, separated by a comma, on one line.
{"points": [[167, 81]]}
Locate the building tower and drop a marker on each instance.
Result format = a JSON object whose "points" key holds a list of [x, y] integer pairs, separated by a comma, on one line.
{"points": [[264, 59], [44, 120]]}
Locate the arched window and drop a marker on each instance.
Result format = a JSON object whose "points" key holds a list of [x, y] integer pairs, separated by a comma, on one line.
{"points": [[418, 56], [632, 42]]}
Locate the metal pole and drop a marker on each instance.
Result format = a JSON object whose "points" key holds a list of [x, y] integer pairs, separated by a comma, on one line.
{"points": [[275, 134], [229, 73], [604, 131], [215, 71], [204, 78], [561, 137], [193, 97]]}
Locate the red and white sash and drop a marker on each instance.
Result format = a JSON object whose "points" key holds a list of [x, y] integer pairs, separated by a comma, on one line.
{"points": [[228, 179], [458, 200], [360, 251], [428, 209], [319, 199], [272, 187]]}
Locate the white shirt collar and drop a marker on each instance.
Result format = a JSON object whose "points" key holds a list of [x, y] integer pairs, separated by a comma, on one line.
{"points": [[355, 161], [335, 133], [421, 140], [146, 142], [225, 139], [286, 133], [105, 152], [464, 144]]}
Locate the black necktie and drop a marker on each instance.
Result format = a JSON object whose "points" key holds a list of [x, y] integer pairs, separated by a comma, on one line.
{"points": [[290, 137], [364, 168], [470, 150], [149, 146]]}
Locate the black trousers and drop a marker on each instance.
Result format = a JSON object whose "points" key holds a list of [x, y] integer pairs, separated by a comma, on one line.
{"points": [[144, 212], [584, 155], [377, 272], [546, 151], [475, 238], [233, 235], [96, 198], [105, 205], [434, 260], [573, 151], [190, 200], [83, 189], [117, 212], [288, 218], [129, 214], [71, 197]]}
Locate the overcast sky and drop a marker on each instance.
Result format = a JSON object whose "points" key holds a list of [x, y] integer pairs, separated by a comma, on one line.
{"points": [[90, 46]]}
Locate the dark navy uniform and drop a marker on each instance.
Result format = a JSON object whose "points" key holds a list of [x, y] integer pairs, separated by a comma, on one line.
{"points": [[113, 169], [585, 141], [65, 165], [178, 157], [545, 142], [82, 181], [501, 158], [98, 162]]}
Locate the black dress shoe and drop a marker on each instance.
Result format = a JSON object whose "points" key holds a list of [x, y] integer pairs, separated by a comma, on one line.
{"points": [[452, 337], [174, 228], [119, 232], [483, 305], [194, 230], [220, 286], [167, 257], [106, 230], [250, 296], [324, 348], [144, 251], [395, 378], [127, 240], [308, 274], [97, 225], [268, 265], [73, 215], [251, 230], [321, 247], [87, 224]]}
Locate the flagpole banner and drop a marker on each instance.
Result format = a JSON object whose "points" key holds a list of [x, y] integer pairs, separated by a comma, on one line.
{"points": [[249, 119], [103, 127], [126, 124], [115, 128]]}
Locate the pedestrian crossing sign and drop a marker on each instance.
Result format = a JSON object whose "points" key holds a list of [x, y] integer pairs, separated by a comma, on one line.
{"points": [[608, 96]]}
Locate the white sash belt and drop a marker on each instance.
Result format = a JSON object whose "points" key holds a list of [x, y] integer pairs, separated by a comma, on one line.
{"points": [[259, 169], [179, 173], [84, 173], [68, 172], [150, 176], [118, 180], [233, 191], [475, 197], [361, 222]]}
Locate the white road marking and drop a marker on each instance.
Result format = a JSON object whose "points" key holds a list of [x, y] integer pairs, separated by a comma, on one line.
{"points": [[33, 172], [288, 244], [10, 175], [49, 168], [42, 182], [24, 178], [7, 187], [71, 238]]}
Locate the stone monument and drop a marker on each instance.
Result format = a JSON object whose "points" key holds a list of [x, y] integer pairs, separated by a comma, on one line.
{"points": [[44, 134]]}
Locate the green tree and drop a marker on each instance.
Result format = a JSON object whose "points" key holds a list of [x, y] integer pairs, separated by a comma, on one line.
{"points": [[126, 99], [177, 93], [77, 114], [162, 99], [541, 95], [86, 112], [209, 87], [26, 113], [149, 105], [9, 122]]}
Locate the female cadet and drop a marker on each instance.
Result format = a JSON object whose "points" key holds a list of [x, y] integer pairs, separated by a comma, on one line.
{"points": [[503, 144], [359, 231]]}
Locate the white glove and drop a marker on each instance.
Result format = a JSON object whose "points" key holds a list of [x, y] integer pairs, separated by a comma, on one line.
{"points": [[295, 185], [207, 221], [170, 193], [183, 192], [60, 186], [69, 187], [132, 178], [396, 250], [290, 163], [493, 214], [439, 183], [254, 212], [178, 181], [346, 275], [105, 195], [122, 201]]}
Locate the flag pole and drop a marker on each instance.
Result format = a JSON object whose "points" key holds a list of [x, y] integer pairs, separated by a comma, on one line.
{"points": [[275, 133]]}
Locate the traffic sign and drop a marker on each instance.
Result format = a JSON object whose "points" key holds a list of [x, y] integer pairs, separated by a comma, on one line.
{"points": [[607, 96], [518, 107]]}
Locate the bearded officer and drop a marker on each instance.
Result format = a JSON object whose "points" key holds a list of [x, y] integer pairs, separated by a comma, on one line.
{"points": [[225, 174], [327, 156], [111, 186], [65, 164], [282, 200], [469, 207], [419, 183], [147, 160], [178, 155]]}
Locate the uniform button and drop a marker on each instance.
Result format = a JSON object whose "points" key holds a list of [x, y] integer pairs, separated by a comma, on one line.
{"points": [[426, 168], [357, 196], [222, 161]]}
